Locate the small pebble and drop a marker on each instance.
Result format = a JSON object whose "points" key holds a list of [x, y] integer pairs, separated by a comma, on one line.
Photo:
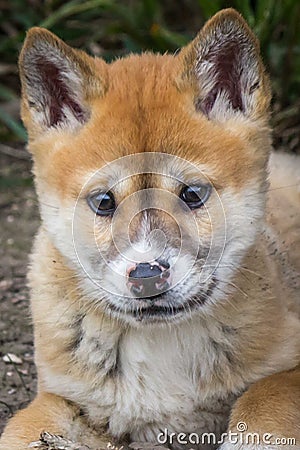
{"points": [[5, 284], [12, 358]]}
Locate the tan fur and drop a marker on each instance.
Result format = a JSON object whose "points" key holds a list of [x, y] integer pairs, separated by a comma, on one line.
{"points": [[102, 378], [278, 393]]}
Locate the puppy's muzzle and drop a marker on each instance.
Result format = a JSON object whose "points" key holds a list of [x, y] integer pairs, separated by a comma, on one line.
{"points": [[149, 279]]}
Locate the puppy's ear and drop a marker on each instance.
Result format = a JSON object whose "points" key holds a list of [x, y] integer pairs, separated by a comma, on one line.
{"points": [[224, 68], [57, 82]]}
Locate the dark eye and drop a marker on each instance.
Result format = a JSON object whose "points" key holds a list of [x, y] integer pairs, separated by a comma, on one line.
{"points": [[195, 196], [102, 203]]}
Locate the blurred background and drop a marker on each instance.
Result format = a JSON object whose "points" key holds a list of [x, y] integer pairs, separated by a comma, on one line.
{"points": [[109, 29], [112, 28]]}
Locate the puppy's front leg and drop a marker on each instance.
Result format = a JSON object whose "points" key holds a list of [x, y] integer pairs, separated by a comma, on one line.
{"points": [[50, 413], [267, 416]]}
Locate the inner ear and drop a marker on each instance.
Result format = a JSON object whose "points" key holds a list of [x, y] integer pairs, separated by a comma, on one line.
{"points": [[224, 66], [58, 98], [57, 81], [226, 76]]}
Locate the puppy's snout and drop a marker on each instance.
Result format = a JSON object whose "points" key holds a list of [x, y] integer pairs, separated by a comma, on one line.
{"points": [[149, 279]]}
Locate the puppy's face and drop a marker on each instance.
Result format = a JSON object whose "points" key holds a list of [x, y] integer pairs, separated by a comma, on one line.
{"points": [[150, 171]]}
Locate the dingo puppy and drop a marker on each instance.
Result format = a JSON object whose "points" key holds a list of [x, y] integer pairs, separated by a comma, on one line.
{"points": [[164, 297]]}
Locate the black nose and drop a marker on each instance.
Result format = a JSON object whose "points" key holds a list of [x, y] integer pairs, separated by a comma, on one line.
{"points": [[145, 270], [148, 280]]}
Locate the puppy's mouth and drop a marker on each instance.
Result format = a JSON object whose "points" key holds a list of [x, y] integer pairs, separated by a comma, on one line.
{"points": [[165, 307], [156, 312]]}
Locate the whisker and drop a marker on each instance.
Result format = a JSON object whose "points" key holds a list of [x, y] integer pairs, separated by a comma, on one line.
{"points": [[274, 189], [49, 205], [234, 286]]}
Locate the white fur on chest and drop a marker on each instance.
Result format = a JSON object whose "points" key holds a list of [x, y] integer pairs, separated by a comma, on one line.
{"points": [[164, 377], [159, 385]]}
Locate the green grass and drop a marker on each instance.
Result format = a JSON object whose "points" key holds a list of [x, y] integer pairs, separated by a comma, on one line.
{"points": [[112, 28]]}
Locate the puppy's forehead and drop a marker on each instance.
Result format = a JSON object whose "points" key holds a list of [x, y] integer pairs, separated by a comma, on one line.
{"points": [[144, 79]]}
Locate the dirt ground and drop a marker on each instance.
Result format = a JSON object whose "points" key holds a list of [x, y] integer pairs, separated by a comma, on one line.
{"points": [[19, 220]]}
